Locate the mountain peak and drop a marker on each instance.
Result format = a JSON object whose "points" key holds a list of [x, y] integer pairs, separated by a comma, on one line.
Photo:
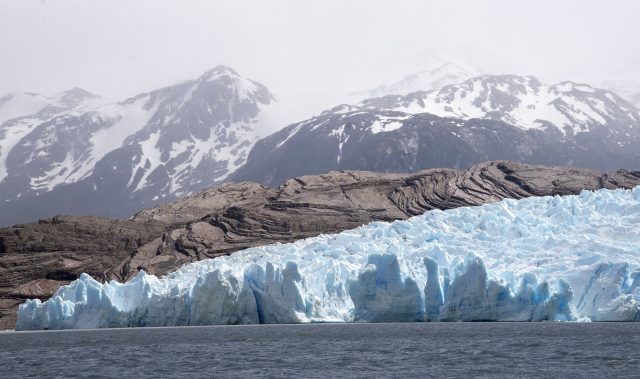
{"points": [[431, 78], [79, 92], [74, 96], [218, 71]]}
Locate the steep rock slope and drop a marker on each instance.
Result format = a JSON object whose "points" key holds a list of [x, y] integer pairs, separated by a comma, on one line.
{"points": [[36, 258]]}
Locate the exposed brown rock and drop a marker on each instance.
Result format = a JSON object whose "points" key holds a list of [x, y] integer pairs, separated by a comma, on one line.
{"points": [[36, 258]]}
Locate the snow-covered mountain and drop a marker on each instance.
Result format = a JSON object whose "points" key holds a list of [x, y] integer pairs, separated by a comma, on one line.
{"points": [[21, 114], [483, 118], [522, 101], [154, 146], [194, 134], [438, 77]]}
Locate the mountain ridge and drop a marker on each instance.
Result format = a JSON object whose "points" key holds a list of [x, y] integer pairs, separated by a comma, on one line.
{"points": [[485, 118]]}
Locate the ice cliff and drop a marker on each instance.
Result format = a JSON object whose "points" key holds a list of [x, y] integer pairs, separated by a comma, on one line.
{"points": [[546, 258]]}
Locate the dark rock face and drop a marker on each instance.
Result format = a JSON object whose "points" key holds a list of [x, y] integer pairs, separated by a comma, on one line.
{"points": [[355, 138], [36, 258]]}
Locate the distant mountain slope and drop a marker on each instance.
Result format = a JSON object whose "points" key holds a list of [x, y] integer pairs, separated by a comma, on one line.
{"points": [[483, 118], [118, 158]]}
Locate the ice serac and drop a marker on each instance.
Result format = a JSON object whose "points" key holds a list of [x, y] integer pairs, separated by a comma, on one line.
{"points": [[554, 258], [277, 293], [433, 299], [380, 294]]}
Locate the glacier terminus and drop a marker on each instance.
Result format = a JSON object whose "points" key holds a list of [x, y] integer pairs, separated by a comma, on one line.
{"points": [[569, 258]]}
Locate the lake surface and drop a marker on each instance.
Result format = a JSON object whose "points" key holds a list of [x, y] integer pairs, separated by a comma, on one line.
{"points": [[329, 350]]}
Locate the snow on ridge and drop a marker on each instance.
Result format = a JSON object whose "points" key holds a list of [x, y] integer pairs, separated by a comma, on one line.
{"points": [[518, 100], [546, 258], [11, 133]]}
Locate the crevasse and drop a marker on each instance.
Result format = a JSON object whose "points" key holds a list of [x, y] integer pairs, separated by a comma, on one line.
{"points": [[547, 258]]}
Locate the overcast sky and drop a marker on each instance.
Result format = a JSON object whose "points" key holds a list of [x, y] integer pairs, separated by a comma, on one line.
{"points": [[120, 48]]}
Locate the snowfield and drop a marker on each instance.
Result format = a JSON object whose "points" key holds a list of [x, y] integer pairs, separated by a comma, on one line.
{"points": [[572, 258]]}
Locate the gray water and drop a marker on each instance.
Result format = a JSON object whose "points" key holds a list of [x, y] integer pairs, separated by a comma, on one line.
{"points": [[329, 350]]}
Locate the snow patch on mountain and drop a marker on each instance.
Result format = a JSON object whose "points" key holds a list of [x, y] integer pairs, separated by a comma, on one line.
{"points": [[129, 117], [10, 135], [384, 124]]}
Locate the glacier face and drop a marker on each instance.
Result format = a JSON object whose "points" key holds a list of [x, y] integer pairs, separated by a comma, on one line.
{"points": [[548, 258]]}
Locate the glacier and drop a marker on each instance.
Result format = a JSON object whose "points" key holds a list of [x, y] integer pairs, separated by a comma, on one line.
{"points": [[557, 258]]}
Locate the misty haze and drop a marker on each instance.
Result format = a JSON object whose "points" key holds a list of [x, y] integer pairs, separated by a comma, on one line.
{"points": [[206, 163]]}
